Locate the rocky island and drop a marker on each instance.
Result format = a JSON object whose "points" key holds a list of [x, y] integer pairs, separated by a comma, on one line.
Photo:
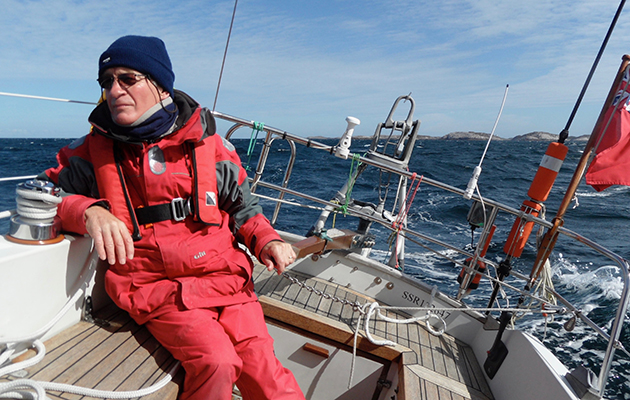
{"points": [[471, 135]]}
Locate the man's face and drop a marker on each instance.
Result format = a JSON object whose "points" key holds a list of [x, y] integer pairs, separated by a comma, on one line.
{"points": [[130, 97]]}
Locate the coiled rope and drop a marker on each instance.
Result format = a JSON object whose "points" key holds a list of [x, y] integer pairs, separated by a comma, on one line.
{"points": [[36, 205], [20, 388]]}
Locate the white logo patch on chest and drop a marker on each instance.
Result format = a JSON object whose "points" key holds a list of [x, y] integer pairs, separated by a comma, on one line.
{"points": [[211, 199]]}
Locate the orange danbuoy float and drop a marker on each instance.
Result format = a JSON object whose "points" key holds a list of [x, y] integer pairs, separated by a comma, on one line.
{"points": [[538, 192], [480, 267], [547, 171]]}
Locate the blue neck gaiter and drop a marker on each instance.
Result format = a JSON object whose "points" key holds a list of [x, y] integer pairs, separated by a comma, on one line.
{"points": [[158, 121]]}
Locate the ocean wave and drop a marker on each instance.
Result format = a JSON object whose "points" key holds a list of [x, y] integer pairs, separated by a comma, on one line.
{"points": [[604, 281], [612, 191]]}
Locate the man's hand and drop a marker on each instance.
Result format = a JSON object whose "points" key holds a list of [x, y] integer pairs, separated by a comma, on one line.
{"points": [[277, 255], [111, 236]]}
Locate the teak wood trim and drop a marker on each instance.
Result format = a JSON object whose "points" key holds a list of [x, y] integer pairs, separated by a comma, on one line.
{"points": [[326, 327]]}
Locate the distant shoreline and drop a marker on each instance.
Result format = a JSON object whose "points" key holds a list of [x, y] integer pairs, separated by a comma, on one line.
{"points": [[532, 136]]}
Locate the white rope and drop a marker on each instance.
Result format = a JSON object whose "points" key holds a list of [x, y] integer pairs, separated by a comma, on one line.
{"points": [[42, 331], [34, 195], [15, 389], [12, 390], [111, 394], [6, 354], [40, 353], [362, 311], [36, 205], [367, 310], [40, 388], [35, 209], [374, 306]]}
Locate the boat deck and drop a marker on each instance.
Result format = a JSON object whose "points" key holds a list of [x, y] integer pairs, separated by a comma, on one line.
{"points": [[120, 355], [432, 367], [117, 355]]}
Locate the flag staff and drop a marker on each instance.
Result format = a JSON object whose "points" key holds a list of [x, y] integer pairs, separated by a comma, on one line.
{"points": [[551, 236]]}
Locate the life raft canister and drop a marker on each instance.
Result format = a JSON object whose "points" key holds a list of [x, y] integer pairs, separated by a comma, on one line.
{"points": [[480, 267], [538, 192]]}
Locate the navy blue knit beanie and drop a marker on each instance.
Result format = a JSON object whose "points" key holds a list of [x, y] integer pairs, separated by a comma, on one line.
{"points": [[145, 54]]}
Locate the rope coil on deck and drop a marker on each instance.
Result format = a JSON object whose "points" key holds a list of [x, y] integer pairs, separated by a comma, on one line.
{"points": [[21, 388]]}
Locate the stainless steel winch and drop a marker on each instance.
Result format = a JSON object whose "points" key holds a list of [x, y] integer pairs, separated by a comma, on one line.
{"points": [[36, 221]]}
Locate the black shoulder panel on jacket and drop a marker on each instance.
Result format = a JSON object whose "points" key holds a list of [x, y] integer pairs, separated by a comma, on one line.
{"points": [[208, 123]]}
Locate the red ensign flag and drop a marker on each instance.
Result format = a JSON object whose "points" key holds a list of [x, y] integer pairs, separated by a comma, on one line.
{"points": [[611, 165]]}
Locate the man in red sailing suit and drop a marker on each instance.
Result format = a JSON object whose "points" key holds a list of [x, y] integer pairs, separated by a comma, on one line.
{"points": [[167, 203]]}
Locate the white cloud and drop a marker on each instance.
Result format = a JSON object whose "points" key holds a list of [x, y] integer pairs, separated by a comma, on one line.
{"points": [[308, 66]]}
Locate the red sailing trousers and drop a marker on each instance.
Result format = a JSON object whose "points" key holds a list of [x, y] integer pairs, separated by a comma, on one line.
{"points": [[222, 346]]}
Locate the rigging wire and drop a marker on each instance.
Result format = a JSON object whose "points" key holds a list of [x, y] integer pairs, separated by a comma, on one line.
{"points": [[565, 132], [28, 96], [227, 44]]}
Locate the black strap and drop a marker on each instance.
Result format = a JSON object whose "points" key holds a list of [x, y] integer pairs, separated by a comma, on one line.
{"points": [[121, 175], [153, 214], [177, 210]]}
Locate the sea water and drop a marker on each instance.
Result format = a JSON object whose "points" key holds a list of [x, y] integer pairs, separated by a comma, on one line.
{"points": [[591, 282]]}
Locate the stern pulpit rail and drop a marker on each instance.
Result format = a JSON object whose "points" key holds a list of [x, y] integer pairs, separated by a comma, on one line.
{"points": [[272, 134]]}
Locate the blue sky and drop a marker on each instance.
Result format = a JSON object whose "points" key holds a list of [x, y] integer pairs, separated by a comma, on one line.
{"points": [[303, 66]]}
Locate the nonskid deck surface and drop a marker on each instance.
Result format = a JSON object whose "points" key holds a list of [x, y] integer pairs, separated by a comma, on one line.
{"points": [[435, 368]]}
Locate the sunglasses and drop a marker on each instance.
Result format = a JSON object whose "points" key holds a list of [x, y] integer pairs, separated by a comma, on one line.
{"points": [[124, 80]]}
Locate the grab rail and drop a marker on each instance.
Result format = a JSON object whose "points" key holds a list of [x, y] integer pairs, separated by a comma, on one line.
{"points": [[263, 161]]}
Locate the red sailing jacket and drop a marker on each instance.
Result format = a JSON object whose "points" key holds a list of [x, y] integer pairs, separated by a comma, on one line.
{"points": [[189, 264]]}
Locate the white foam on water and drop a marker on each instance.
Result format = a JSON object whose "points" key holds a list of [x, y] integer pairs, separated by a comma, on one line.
{"points": [[611, 191], [592, 285]]}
